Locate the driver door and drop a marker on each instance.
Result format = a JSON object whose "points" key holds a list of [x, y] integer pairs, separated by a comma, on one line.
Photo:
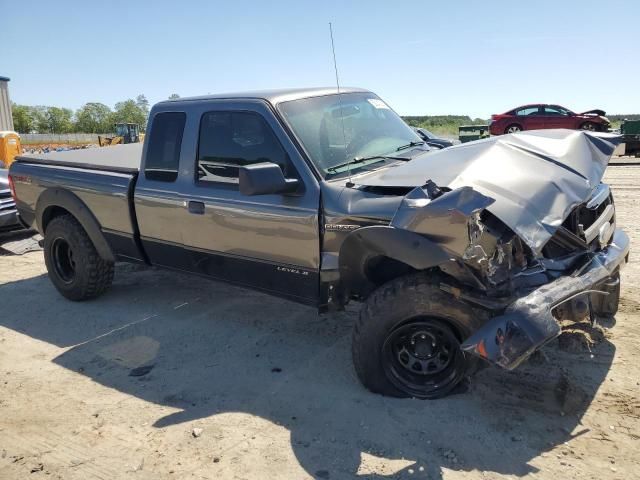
{"points": [[267, 242]]}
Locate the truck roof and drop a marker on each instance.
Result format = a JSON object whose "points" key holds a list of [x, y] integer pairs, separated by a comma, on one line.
{"points": [[273, 96]]}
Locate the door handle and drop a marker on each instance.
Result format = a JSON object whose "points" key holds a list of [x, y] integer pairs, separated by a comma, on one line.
{"points": [[197, 208]]}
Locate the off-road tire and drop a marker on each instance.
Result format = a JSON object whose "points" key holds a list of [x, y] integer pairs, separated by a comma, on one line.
{"points": [[90, 275], [399, 302]]}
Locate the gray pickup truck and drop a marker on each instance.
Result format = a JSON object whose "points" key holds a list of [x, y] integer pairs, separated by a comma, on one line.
{"points": [[469, 255]]}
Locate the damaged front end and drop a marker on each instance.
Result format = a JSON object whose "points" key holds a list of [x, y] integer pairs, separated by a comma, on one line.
{"points": [[529, 321], [492, 267], [520, 225]]}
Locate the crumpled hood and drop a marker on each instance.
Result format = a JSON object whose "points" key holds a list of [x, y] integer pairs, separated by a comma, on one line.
{"points": [[536, 177], [596, 111]]}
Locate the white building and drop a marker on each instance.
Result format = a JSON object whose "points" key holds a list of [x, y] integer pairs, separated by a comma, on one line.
{"points": [[6, 120]]}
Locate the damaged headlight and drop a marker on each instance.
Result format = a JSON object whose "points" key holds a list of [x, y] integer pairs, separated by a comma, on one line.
{"points": [[493, 249], [458, 221]]}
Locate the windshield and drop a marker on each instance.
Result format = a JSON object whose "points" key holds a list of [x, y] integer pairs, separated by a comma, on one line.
{"points": [[338, 129], [121, 130]]}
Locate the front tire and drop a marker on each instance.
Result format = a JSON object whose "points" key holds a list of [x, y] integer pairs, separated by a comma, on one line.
{"points": [[515, 128], [75, 268], [589, 126], [406, 342]]}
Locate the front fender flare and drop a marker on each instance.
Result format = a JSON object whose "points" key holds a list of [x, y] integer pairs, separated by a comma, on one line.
{"points": [[364, 244], [59, 197]]}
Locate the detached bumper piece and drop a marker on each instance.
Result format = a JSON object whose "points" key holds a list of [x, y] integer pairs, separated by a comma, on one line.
{"points": [[528, 323]]}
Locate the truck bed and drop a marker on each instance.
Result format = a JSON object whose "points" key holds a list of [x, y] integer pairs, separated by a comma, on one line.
{"points": [[118, 158], [100, 181]]}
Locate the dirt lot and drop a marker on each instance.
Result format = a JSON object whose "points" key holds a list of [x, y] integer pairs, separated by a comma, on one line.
{"points": [[245, 386]]}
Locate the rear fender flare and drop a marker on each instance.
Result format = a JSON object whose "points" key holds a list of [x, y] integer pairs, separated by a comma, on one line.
{"points": [[59, 197], [367, 243]]}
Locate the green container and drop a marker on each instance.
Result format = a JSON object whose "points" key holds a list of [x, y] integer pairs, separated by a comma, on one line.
{"points": [[469, 133], [630, 127]]}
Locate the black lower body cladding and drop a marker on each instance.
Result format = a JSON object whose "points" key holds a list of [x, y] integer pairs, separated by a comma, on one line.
{"points": [[528, 323]]}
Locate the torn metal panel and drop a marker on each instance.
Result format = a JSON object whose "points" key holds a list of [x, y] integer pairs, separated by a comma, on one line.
{"points": [[528, 323], [445, 219], [536, 177]]}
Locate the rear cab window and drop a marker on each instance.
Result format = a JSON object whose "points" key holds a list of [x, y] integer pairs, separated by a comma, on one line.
{"points": [[165, 142]]}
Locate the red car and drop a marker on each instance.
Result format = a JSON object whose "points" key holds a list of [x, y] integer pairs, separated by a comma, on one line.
{"points": [[541, 116]]}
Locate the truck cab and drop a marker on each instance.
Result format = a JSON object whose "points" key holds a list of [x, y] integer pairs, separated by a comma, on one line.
{"points": [[190, 179]]}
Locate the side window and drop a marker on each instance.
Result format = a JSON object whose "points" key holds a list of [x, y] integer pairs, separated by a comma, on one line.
{"points": [[555, 111], [229, 140], [163, 153], [528, 111]]}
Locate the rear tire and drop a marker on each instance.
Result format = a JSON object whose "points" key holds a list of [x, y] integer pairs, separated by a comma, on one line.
{"points": [[406, 342], [73, 264], [589, 126], [514, 128]]}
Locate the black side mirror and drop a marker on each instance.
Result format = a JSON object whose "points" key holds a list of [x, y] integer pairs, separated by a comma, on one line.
{"points": [[265, 178]]}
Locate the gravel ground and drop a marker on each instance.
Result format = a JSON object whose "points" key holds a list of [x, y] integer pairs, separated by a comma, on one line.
{"points": [[169, 376]]}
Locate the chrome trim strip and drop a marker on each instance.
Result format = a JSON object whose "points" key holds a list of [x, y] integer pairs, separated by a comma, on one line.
{"points": [[592, 232], [600, 194]]}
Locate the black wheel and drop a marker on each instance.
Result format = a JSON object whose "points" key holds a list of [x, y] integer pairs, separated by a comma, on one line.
{"points": [[73, 264], [589, 126], [406, 341], [514, 128]]}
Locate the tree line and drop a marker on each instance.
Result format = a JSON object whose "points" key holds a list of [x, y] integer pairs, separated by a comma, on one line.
{"points": [[92, 117], [443, 124]]}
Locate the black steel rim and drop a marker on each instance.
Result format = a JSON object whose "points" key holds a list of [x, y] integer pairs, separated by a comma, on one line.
{"points": [[63, 260], [423, 357]]}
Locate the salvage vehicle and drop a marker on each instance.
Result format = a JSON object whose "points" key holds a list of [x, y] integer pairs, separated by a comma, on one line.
{"points": [[8, 212], [543, 116], [462, 256]]}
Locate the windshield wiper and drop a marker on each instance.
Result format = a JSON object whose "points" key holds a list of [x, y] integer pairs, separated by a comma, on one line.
{"points": [[358, 160], [409, 145]]}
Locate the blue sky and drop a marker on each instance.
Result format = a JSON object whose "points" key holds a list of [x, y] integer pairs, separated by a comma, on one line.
{"points": [[422, 57]]}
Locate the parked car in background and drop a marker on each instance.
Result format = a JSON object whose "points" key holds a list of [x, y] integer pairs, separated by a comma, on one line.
{"points": [[431, 140], [542, 116], [8, 213]]}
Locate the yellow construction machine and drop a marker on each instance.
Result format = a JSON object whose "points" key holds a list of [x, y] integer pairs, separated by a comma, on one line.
{"points": [[125, 133]]}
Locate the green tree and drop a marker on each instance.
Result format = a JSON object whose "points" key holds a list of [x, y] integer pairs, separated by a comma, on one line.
{"points": [[23, 120], [93, 118], [129, 111], [39, 115], [143, 104], [59, 120], [174, 96]]}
